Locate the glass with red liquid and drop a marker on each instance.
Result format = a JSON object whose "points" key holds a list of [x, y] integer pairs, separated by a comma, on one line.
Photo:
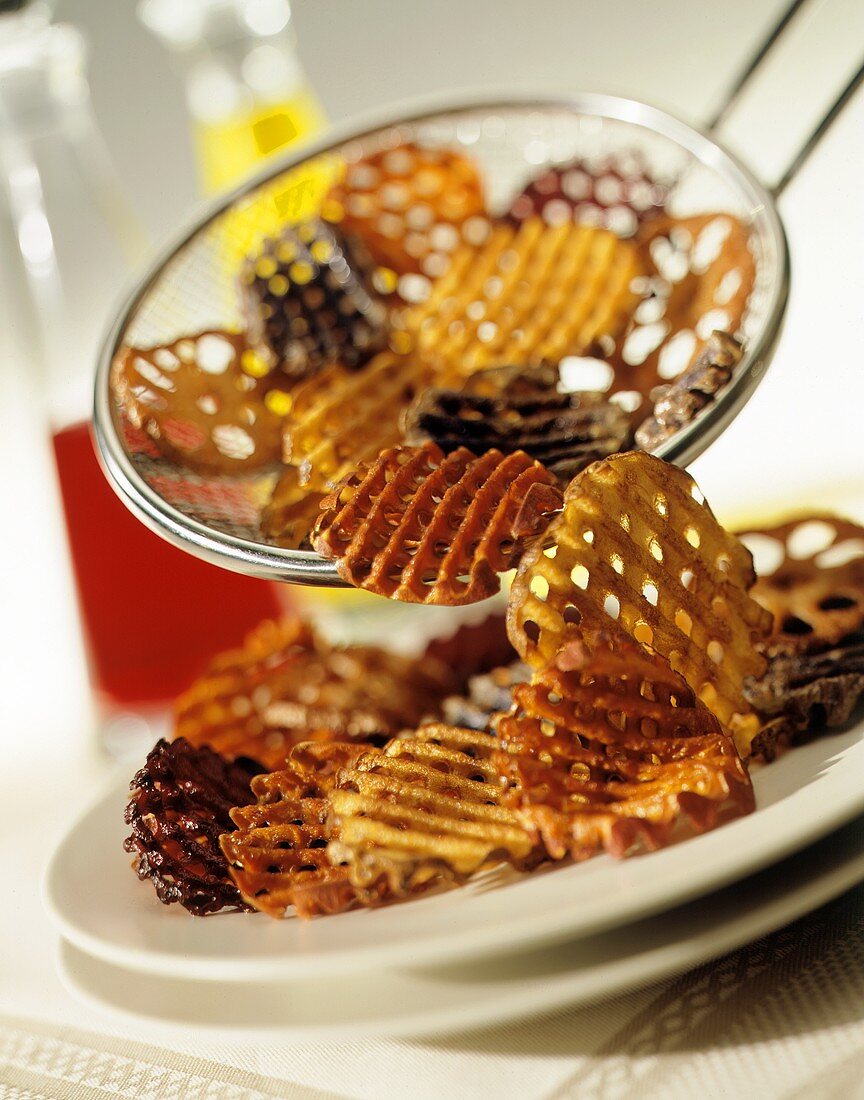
{"points": [[152, 614]]}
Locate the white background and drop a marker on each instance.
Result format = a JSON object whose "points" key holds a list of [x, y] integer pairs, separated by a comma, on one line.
{"points": [[798, 443]]}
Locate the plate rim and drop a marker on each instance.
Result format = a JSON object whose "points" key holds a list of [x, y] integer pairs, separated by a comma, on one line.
{"points": [[716, 936], [539, 926]]}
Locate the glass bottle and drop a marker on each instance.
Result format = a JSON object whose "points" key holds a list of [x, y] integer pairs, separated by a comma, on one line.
{"points": [[151, 615]]}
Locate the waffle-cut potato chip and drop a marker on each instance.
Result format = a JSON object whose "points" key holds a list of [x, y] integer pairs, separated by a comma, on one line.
{"points": [[692, 391], [425, 809], [615, 192], [286, 686], [637, 552], [341, 418], [289, 515], [308, 300], [811, 579], [487, 697], [804, 694], [472, 649], [223, 708], [523, 411], [196, 401], [277, 856], [529, 295], [180, 805], [610, 749], [412, 207], [702, 273], [424, 528]]}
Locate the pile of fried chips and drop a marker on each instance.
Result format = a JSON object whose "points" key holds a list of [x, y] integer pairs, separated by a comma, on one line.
{"points": [[407, 311], [626, 726], [462, 409]]}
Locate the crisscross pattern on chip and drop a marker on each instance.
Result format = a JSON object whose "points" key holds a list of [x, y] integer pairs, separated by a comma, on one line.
{"points": [[811, 579], [423, 527], [637, 552], [426, 808], [341, 418], [286, 686], [201, 401], [277, 856], [181, 801], [614, 751], [525, 411], [411, 206], [528, 295], [308, 300], [616, 192]]}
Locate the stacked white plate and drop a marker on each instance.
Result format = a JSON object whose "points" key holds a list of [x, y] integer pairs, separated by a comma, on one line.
{"points": [[503, 947]]}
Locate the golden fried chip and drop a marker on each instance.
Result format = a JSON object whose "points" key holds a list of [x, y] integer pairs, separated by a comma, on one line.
{"points": [[341, 418], [528, 295], [424, 528], [811, 579], [196, 401], [277, 856], [411, 206], [702, 273], [637, 552], [426, 808], [286, 685], [610, 749]]}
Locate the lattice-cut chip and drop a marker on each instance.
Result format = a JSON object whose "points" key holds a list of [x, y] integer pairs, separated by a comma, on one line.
{"points": [[224, 707], [811, 579], [423, 527], [613, 751], [200, 399], [616, 192], [277, 856], [529, 295], [286, 686], [702, 273], [681, 402], [341, 418], [411, 206], [520, 409], [308, 300], [637, 552], [289, 515], [180, 805], [425, 809], [804, 694]]}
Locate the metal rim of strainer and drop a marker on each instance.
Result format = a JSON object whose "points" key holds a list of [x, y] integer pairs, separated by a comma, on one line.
{"points": [[307, 567]]}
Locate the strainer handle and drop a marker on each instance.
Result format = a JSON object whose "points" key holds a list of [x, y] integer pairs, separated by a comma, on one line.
{"points": [[819, 41]]}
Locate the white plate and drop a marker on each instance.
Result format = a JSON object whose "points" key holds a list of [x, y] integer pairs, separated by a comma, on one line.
{"points": [[102, 908], [455, 998]]}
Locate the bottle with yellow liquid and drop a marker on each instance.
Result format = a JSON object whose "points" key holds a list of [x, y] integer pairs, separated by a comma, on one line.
{"points": [[248, 99]]}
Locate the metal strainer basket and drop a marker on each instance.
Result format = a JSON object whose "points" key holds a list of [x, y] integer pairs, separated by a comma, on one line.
{"points": [[192, 287]]}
